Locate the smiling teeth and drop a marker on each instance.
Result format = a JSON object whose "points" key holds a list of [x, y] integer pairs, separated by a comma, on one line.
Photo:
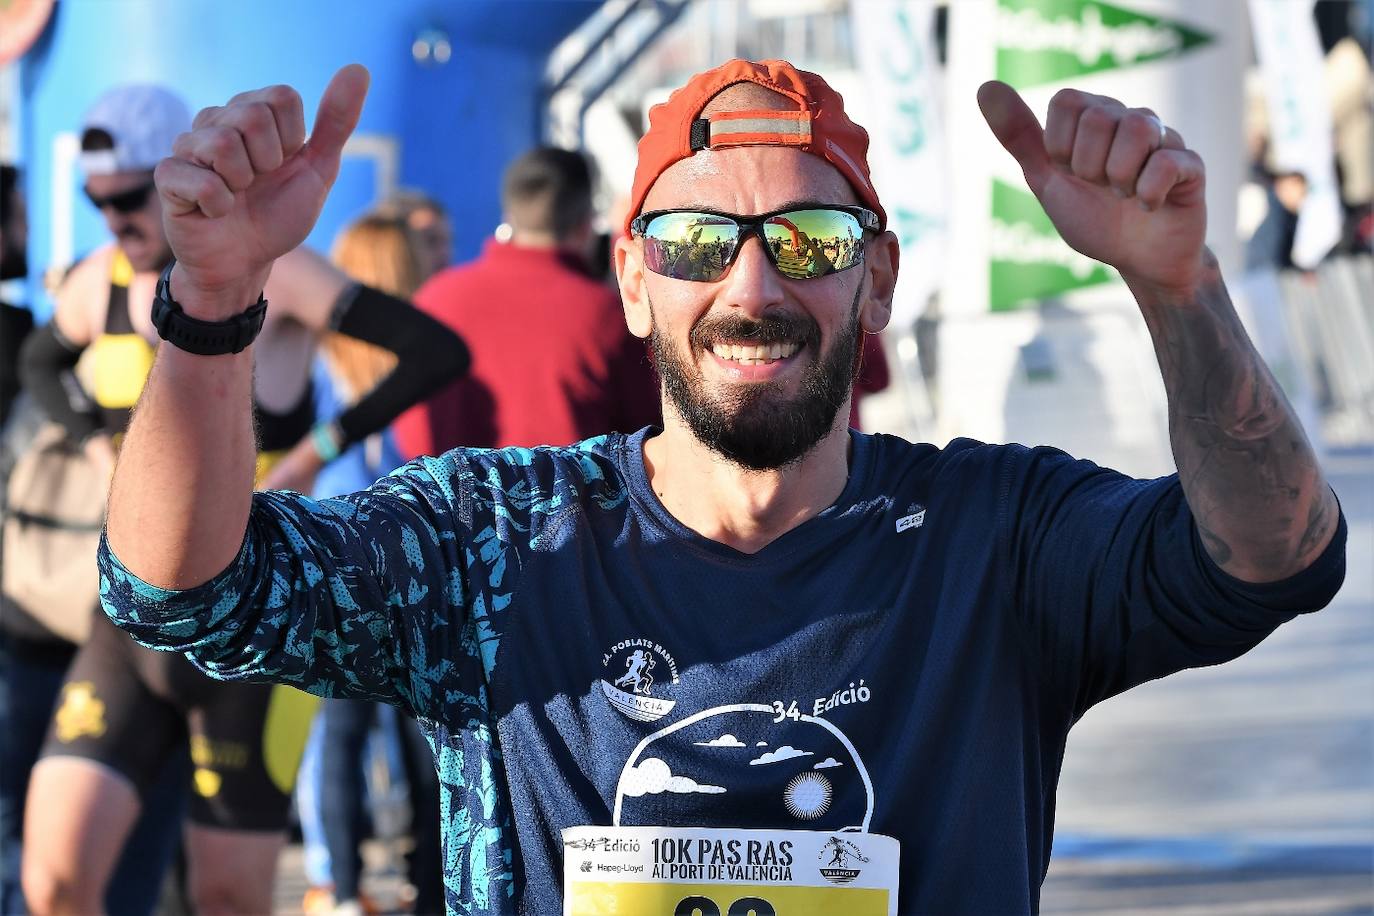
{"points": [[754, 355]]}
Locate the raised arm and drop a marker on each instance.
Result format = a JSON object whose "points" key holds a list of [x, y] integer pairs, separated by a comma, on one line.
{"points": [[1123, 189], [241, 189]]}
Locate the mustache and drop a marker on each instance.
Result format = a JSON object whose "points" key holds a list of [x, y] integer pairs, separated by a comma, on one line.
{"points": [[766, 330], [131, 233]]}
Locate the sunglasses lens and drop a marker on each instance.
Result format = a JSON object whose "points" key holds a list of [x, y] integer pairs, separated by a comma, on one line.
{"points": [[130, 201], [812, 243], [690, 246]]}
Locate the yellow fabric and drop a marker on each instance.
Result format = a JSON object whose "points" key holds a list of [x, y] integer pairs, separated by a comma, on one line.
{"points": [[121, 271], [266, 461], [120, 362], [284, 731], [207, 782], [81, 713], [121, 366]]}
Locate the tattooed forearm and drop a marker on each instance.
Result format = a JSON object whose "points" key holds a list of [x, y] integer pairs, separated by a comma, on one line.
{"points": [[1261, 503], [1219, 549], [1321, 521]]}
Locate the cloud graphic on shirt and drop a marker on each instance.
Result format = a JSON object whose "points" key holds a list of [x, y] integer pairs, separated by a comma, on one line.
{"points": [[827, 763], [653, 777], [786, 752], [725, 740], [761, 744]]}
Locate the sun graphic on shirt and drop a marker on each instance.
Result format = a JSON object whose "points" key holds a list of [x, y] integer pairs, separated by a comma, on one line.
{"points": [[807, 796]]}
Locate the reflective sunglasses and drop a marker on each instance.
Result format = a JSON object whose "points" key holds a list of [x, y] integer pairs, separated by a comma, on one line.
{"points": [[130, 201], [803, 242]]}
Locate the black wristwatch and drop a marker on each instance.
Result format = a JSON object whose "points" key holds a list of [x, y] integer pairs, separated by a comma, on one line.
{"points": [[203, 338]]}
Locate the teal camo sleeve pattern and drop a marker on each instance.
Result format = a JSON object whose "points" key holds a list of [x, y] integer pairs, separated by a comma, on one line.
{"points": [[578, 657], [383, 594], [396, 593]]}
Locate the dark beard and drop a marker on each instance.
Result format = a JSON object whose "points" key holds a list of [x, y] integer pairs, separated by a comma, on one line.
{"points": [[755, 426]]}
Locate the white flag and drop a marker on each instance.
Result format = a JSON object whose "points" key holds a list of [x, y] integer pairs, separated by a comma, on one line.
{"points": [[894, 44], [1291, 64]]}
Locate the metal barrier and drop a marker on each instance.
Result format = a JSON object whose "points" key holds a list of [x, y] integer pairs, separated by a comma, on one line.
{"points": [[1329, 314]]}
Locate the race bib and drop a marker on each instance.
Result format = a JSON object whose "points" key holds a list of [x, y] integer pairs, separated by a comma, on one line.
{"points": [[696, 871]]}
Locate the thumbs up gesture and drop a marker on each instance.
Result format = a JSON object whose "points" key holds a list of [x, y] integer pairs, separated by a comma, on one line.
{"points": [[1118, 185], [245, 186]]}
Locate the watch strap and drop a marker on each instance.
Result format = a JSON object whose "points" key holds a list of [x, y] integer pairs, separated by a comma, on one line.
{"points": [[203, 338]]}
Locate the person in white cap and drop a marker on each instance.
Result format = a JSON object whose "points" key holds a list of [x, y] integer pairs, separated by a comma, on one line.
{"points": [[126, 134], [125, 710]]}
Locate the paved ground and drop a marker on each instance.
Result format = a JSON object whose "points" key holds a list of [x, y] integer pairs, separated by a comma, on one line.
{"points": [[382, 881], [1243, 789]]}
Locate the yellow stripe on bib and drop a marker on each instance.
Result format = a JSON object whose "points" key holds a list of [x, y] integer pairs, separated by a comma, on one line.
{"points": [[603, 898]]}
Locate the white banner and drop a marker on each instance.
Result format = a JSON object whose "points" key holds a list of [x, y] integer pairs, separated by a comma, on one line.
{"points": [[1038, 343], [1004, 254], [894, 46], [1291, 64]]}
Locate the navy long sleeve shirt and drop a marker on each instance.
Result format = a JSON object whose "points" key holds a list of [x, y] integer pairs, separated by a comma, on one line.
{"points": [[908, 662]]}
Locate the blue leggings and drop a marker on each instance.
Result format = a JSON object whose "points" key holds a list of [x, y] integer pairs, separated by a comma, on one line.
{"points": [[346, 725]]}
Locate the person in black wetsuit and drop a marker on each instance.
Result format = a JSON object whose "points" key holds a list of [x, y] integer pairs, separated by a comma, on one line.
{"points": [[123, 709]]}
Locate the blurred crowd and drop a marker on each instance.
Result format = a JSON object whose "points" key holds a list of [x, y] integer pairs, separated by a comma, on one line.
{"points": [[1281, 188]]}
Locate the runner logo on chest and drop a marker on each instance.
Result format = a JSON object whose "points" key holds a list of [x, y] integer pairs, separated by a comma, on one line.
{"points": [[632, 667]]}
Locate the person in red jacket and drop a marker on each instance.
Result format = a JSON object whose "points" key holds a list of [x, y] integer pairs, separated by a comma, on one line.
{"points": [[873, 376], [572, 370]]}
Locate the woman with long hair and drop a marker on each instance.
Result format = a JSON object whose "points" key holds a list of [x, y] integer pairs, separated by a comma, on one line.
{"points": [[381, 251]]}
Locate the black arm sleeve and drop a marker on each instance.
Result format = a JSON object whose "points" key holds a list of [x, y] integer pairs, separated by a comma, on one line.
{"points": [[428, 355], [46, 362]]}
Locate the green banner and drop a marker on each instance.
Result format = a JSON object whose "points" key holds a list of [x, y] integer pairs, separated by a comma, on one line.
{"points": [[1047, 41], [1027, 260]]}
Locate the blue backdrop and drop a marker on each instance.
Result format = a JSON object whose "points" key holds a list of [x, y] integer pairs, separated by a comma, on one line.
{"points": [[453, 126]]}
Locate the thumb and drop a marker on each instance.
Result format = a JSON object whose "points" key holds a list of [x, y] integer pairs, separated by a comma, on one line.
{"points": [[1016, 128], [338, 114]]}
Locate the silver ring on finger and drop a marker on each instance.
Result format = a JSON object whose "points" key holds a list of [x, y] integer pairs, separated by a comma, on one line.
{"points": [[1163, 131]]}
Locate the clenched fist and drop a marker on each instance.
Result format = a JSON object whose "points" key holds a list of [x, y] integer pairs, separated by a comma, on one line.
{"points": [[245, 186], [1118, 185]]}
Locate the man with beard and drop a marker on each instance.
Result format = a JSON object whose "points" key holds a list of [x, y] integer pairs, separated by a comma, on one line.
{"points": [[850, 633]]}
